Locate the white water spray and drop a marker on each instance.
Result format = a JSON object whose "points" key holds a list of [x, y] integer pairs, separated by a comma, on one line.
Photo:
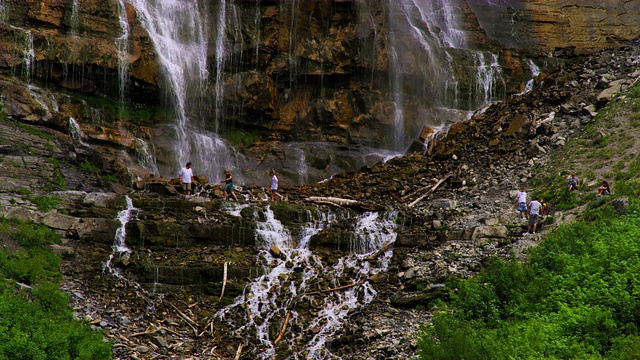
{"points": [[297, 271], [119, 247]]}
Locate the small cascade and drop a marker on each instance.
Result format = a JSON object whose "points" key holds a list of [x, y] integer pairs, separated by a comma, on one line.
{"points": [[220, 59], [122, 48], [4, 10], [120, 249], [535, 71], [488, 76], [74, 22], [233, 208], [74, 129], [28, 52], [295, 275], [145, 156], [43, 97]]}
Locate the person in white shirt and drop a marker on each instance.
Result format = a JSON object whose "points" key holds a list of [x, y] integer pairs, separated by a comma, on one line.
{"points": [[274, 185], [186, 178], [534, 212], [521, 202]]}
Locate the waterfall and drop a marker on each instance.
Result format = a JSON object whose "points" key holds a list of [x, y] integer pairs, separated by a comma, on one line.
{"points": [[28, 52], [74, 129], [535, 71], [145, 156], [487, 76], [122, 48], [119, 247], [178, 30], [220, 56], [3, 11], [297, 271], [74, 22]]}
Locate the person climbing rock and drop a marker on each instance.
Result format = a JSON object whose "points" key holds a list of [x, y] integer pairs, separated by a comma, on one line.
{"points": [[573, 182], [534, 212], [521, 202], [228, 187]]}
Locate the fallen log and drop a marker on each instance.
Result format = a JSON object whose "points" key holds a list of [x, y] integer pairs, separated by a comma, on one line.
{"points": [[381, 251], [224, 280], [342, 203], [430, 190], [284, 328]]}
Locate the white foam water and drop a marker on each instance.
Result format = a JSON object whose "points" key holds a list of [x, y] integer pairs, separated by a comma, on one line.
{"points": [[293, 276], [119, 246]]}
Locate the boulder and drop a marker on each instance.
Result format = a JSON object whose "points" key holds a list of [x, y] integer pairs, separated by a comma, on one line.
{"points": [[482, 232]]}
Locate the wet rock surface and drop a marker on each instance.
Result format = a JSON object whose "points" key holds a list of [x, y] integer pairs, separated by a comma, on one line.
{"points": [[160, 300]]}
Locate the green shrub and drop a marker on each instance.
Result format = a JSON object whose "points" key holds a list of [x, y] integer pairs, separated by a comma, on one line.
{"points": [[37, 322], [575, 298]]}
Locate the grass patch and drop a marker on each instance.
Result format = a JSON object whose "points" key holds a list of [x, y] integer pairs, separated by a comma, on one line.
{"points": [[576, 298], [89, 166], [44, 203]]}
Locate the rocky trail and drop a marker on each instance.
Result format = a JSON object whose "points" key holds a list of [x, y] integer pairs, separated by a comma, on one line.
{"points": [[471, 216]]}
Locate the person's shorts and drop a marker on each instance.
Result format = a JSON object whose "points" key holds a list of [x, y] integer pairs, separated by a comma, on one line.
{"points": [[606, 192], [522, 206], [229, 187], [533, 219], [186, 186]]}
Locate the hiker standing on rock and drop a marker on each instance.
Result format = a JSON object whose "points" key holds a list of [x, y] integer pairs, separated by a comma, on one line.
{"points": [[186, 178], [274, 185], [228, 187], [521, 202], [534, 211]]}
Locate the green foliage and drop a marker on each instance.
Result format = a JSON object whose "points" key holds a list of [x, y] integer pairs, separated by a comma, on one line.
{"points": [[58, 180], [32, 130], [23, 191], [89, 166], [37, 322], [110, 178], [576, 298], [242, 138], [44, 203]]}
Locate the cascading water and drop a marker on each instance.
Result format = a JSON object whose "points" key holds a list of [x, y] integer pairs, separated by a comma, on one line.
{"points": [[74, 129], [487, 78], [74, 22], [294, 277], [3, 11], [535, 71], [179, 31], [27, 52], [122, 48], [119, 247], [146, 156], [436, 75]]}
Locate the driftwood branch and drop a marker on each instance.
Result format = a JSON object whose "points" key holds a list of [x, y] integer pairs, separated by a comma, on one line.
{"points": [[238, 352], [192, 324], [336, 288], [430, 190], [284, 328], [395, 196], [341, 202], [224, 280], [381, 251]]}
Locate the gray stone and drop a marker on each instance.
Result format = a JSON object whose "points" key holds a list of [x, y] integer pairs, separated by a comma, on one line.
{"points": [[444, 203], [62, 251], [104, 200], [481, 232], [22, 213], [59, 221]]}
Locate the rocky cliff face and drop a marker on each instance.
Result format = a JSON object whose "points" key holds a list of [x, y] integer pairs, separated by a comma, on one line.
{"points": [[539, 25], [320, 71]]}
